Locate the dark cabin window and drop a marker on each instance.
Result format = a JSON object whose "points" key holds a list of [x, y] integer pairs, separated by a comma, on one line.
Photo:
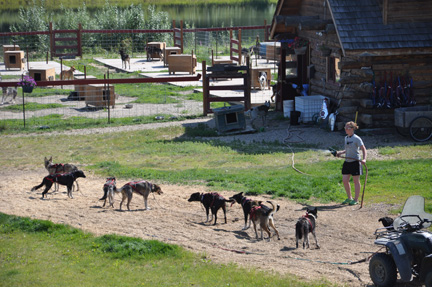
{"points": [[333, 71]]}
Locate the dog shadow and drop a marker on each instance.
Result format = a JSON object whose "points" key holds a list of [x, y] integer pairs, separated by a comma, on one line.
{"points": [[97, 206], [88, 109], [132, 210], [322, 208], [221, 230], [241, 234], [286, 248]]}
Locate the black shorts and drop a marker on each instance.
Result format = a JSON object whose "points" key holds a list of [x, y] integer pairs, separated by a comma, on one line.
{"points": [[353, 168]]}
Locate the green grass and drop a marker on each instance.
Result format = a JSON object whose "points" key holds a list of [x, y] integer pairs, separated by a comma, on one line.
{"points": [[31, 106], [40, 253], [158, 93], [177, 155], [57, 122]]}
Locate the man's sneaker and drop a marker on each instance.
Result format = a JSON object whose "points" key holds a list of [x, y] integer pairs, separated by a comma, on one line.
{"points": [[347, 201], [353, 202]]}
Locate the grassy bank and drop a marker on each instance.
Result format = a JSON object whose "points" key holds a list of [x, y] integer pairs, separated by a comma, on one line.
{"points": [[40, 253]]}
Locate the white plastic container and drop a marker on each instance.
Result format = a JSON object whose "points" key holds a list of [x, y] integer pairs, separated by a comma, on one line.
{"points": [[308, 106], [288, 106]]}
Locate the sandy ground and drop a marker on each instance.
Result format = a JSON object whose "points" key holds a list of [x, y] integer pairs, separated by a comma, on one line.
{"points": [[345, 233]]}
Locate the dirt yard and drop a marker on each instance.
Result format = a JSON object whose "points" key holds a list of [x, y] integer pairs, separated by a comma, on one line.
{"points": [[345, 233]]}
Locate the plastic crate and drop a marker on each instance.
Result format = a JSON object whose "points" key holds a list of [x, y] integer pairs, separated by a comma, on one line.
{"points": [[230, 118], [308, 106]]}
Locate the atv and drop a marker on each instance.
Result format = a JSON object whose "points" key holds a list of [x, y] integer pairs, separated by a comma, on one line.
{"points": [[408, 247]]}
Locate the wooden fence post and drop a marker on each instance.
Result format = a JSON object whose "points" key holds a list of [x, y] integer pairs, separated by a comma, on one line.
{"points": [[205, 88], [79, 40], [51, 36]]}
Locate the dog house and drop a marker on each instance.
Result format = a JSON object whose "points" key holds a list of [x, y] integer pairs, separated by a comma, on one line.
{"points": [[230, 118], [170, 51], [270, 50], [182, 63], [81, 89], [14, 59], [10, 48], [255, 73], [42, 74], [99, 95], [160, 45]]}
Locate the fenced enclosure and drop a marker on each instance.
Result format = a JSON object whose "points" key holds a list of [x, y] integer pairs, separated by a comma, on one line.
{"points": [[106, 43], [113, 99]]}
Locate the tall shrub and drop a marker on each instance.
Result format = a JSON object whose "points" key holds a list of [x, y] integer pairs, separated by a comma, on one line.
{"points": [[34, 17]]}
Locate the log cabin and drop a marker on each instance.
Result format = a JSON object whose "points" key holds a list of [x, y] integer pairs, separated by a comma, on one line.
{"points": [[380, 55]]}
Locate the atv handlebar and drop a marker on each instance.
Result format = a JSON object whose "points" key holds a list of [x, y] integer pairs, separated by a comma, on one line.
{"points": [[391, 233], [409, 226]]}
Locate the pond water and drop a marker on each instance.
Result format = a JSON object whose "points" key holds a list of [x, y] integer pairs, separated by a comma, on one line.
{"points": [[199, 16], [222, 16]]}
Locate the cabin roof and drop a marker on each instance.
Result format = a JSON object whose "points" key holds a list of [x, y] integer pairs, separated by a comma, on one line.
{"points": [[360, 26]]}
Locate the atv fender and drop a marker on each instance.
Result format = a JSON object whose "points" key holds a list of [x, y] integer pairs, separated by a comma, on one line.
{"points": [[426, 266], [402, 259]]}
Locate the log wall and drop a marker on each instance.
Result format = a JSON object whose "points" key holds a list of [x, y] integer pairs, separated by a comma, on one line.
{"points": [[353, 93]]}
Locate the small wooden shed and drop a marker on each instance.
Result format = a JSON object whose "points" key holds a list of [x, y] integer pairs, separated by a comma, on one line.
{"points": [[369, 57]]}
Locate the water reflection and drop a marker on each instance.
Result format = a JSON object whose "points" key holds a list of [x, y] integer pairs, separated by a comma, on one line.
{"points": [[198, 16], [218, 16]]}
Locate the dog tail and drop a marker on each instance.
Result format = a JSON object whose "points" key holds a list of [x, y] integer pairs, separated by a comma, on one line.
{"points": [[273, 209], [38, 186], [299, 230], [119, 190]]}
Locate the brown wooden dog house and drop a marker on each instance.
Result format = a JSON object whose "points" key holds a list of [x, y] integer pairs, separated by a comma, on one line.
{"points": [[10, 48], [159, 45], [182, 63], [42, 73], [100, 95], [356, 49], [14, 60]]}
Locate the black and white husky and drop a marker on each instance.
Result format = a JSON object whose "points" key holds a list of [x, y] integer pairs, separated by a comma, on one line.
{"points": [[262, 78], [9, 92]]}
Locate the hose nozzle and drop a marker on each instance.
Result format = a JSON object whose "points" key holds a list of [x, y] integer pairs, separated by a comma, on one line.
{"points": [[333, 151]]}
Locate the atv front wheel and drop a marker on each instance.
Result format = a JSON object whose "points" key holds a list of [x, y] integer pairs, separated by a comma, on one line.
{"points": [[382, 270], [428, 280]]}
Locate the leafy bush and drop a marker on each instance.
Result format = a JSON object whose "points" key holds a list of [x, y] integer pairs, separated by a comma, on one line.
{"points": [[35, 17]]}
